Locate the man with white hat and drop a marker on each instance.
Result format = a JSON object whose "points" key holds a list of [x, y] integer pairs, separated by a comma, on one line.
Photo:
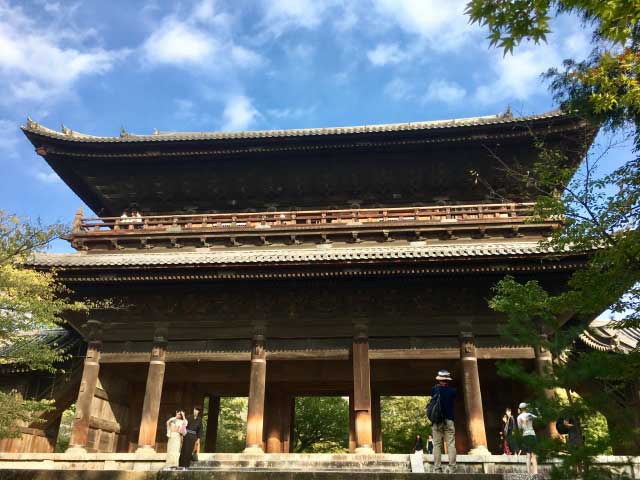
{"points": [[445, 429]]}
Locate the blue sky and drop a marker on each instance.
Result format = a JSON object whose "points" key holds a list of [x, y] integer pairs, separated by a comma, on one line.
{"points": [[98, 66]]}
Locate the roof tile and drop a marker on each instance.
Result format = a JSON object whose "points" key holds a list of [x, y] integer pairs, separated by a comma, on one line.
{"points": [[267, 256]]}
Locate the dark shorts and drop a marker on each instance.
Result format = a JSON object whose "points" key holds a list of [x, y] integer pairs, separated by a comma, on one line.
{"points": [[529, 443]]}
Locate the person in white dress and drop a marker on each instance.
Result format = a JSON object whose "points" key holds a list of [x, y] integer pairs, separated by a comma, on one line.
{"points": [[176, 429]]}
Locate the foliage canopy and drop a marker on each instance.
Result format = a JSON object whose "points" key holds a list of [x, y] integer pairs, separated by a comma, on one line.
{"points": [[29, 301], [600, 205]]}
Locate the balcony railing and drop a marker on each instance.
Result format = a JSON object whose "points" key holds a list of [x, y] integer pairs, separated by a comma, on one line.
{"points": [[291, 220], [308, 226]]}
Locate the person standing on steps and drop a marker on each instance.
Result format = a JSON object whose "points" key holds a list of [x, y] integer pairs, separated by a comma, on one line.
{"points": [[430, 445], [508, 431], [440, 412], [176, 429], [191, 441], [529, 440], [419, 446]]}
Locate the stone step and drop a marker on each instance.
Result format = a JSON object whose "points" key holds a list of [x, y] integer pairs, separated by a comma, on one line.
{"points": [[294, 464]]}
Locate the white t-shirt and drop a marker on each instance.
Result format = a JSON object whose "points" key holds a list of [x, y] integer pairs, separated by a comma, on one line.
{"points": [[525, 423]]}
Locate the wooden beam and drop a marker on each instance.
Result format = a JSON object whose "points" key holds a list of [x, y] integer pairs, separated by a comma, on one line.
{"points": [[102, 424], [500, 353], [341, 354], [415, 354], [486, 353], [103, 395]]}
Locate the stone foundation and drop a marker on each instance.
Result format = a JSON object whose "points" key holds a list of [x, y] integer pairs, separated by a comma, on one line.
{"points": [[130, 466]]}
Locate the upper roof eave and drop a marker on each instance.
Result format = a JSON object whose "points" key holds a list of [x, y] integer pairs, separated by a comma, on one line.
{"points": [[318, 254], [501, 119]]}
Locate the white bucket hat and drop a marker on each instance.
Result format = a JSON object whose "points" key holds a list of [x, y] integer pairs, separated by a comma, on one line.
{"points": [[522, 406], [444, 375]]}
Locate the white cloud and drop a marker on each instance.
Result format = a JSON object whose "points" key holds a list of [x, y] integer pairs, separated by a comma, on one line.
{"points": [[386, 54], [36, 65], [443, 25], [438, 90], [518, 76], [52, 7], [445, 92], [239, 113], [282, 15], [175, 42], [244, 57], [204, 11], [399, 89], [203, 38]]}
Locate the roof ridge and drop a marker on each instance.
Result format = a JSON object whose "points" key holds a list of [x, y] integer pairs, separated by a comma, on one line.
{"points": [[501, 118]]}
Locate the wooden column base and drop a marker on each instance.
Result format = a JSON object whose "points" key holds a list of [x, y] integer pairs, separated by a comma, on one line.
{"points": [[257, 450], [76, 451], [479, 451], [364, 451], [145, 451]]}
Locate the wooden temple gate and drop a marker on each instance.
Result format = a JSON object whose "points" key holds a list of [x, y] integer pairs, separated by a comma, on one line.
{"points": [[353, 338], [351, 261]]}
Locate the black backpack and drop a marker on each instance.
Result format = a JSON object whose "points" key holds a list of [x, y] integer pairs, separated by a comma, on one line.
{"points": [[561, 427], [435, 412]]}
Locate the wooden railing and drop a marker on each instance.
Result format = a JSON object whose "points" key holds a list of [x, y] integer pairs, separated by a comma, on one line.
{"points": [[291, 220]]}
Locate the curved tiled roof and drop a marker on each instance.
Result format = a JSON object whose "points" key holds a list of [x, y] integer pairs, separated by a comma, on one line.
{"points": [[62, 340], [290, 255], [605, 337], [125, 137]]}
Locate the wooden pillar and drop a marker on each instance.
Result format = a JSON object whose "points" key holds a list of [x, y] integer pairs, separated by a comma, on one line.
{"points": [[80, 425], [377, 423], [352, 426], [362, 392], [544, 366], [211, 438], [274, 421], [472, 395], [289, 416], [152, 396], [255, 415]]}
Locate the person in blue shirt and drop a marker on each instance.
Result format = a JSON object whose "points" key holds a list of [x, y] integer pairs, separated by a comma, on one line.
{"points": [[445, 431]]}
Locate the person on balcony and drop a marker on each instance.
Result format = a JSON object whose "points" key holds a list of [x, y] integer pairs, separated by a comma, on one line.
{"points": [[124, 219], [136, 219]]}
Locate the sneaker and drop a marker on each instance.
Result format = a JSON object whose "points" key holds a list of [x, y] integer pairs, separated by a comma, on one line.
{"points": [[452, 469]]}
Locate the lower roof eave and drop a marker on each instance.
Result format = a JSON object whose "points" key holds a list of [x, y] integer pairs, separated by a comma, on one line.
{"points": [[317, 270]]}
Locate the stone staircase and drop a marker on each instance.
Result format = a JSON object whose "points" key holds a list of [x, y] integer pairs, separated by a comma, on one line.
{"points": [[304, 463]]}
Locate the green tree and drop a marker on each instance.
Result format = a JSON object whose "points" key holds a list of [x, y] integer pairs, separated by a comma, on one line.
{"points": [[232, 424], [321, 425], [402, 419], [600, 213], [29, 301]]}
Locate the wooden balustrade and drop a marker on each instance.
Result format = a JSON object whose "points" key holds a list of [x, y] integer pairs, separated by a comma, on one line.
{"points": [[485, 213]]}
